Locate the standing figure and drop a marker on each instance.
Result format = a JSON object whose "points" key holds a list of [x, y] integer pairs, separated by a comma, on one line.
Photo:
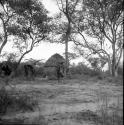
{"points": [[29, 71], [60, 71]]}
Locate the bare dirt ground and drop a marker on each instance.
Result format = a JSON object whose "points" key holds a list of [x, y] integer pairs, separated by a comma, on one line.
{"points": [[64, 104]]}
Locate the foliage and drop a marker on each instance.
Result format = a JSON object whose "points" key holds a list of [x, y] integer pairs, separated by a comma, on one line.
{"points": [[17, 100], [50, 72], [31, 27], [101, 21], [10, 57], [4, 100], [71, 56], [27, 23], [62, 26], [109, 113], [61, 23], [39, 71], [106, 114], [6, 14], [103, 119], [33, 17], [120, 71], [82, 69], [11, 63], [97, 63]]}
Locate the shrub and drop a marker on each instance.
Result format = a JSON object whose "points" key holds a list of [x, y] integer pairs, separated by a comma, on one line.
{"points": [[95, 73], [80, 69], [18, 101], [39, 71], [120, 71], [104, 115], [51, 73], [52, 77], [25, 103], [110, 113], [4, 100]]}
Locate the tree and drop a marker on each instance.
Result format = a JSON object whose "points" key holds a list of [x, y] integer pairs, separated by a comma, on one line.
{"points": [[30, 26], [6, 14], [101, 20], [97, 63], [71, 56], [63, 28], [26, 21]]}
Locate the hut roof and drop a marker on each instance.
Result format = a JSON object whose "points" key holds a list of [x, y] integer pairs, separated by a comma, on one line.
{"points": [[53, 60]]}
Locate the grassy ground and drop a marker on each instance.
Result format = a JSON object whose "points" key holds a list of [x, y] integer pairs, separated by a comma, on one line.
{"points": [[84, 101]]}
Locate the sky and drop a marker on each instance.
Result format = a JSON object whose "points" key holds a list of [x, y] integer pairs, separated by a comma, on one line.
{"points": [[51, 6]]}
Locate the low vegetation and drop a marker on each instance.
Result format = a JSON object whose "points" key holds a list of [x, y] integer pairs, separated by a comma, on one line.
{"points": [[103, 116], [15, 100], [24, 101]]}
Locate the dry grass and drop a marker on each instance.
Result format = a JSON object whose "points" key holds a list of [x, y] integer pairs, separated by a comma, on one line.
{"points": [[15, 100], [70, 103]]}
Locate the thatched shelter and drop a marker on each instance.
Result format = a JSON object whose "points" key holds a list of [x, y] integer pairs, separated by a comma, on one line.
{"points": [[54, 60], [50, 65]]}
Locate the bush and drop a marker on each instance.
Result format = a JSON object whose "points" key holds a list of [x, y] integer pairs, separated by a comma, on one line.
{"points": [[17, 101], [51, 73], [82, 69], [39, 71], [95, 73], [4, 100], [120, 71], [110, 113], [52, 77], [25, 103], [105, 115]]}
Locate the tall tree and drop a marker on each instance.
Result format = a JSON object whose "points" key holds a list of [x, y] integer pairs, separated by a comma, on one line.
{"points": [[102, 20], [67, 9], [30, 27]]}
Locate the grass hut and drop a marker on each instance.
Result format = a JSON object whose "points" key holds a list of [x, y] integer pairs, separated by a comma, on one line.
{"points": [[50, 65]]}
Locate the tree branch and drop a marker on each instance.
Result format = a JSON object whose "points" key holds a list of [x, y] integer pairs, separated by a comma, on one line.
{"points": [[5, 35], [74, 7], [91, 48], [121, 51], [62, 10]]}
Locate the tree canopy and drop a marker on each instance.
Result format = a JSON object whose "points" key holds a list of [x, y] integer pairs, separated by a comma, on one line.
{"points": [[29, 24], [101, 20]]}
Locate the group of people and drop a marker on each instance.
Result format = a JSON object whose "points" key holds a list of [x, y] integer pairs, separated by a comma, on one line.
{"points": [[29, 70]]}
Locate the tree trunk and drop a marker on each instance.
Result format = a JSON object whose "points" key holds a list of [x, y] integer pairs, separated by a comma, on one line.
{"points": [[18, 63], [5, 38], [110, 66], [66, 50], [66, 56], [114, 68]]}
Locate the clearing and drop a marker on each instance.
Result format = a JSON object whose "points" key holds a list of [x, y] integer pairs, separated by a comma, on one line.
{"points": [[77, 102]]}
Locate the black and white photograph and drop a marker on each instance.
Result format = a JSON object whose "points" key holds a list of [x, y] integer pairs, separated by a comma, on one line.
{"points": [[61, 62]]}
